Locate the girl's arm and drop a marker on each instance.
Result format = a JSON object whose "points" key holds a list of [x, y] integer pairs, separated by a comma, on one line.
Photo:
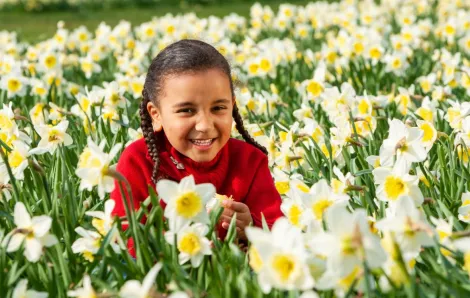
{"points": [[263, 197]]}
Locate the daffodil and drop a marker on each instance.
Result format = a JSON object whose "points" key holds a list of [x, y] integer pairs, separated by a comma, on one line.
{"points": [[8, 124], [463, 245], [136, 289], [282, 257], [191, 243], [185, 201], [404, 143], [17, 160], [395, 183], [320, 198], [429, 133], [347, 244], [52, 137], [93, 167], [103, 221], [408, 225], [21, 291], [33, 232], [86, 291], [14, 84], [88, 245], [464, 209]]}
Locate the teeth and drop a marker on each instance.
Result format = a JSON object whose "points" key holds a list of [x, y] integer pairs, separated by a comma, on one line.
{"points": [[202, 142]]}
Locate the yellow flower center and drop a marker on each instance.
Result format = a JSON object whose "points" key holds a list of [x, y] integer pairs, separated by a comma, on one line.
{"points": [[14, 85], [253, 68], [54, 135], [363, 107], [188, 204], [319, 207], [466, 259], [265, 64], [255, 260], [282, 187], [189, 244], [99, 225], [396, 63], [284, 265], [394, 187], [137, 88], [6, 122], [314, 88], [15, 159], [347, 281], [50, 61], [294, 215], [425, 114], [428, 132]]}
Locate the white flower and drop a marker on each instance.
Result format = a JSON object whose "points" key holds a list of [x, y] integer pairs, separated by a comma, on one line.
{"points": [[185, 201], [93, 167], [103, 221], [135, 289], [88, 245], [320, 198], [85, 292], [282, 257], [402, 142], [15, 84], [51, 137], [7, 121], [21, 291], [464, 210], [347, 244], [408, 225], [395, 183], [191, 242], [34, 232], [18, 161]]}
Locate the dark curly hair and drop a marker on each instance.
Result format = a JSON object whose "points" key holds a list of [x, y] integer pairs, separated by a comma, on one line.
{"points": [[184, 56]]}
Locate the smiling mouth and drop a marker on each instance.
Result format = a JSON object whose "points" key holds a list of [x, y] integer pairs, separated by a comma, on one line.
{"points": [[202, 142]]}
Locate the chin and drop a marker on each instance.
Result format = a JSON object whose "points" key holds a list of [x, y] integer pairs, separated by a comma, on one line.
{"points": [[203, 157]]}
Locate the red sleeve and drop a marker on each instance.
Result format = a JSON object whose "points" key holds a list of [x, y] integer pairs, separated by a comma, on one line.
{"points": [[263, 197], [135, 169]]}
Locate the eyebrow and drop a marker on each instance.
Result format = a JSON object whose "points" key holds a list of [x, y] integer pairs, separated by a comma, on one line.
{"points": [[190, 104]]}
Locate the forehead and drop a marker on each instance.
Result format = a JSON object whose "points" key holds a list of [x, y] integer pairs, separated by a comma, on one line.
{"points": [[198, 87]]}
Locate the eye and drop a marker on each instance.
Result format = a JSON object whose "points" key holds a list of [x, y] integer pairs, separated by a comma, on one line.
{"points": [[219, 108], [186, 111]]}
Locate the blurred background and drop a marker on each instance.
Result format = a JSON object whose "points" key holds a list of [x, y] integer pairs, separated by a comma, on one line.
{"points": [[35, 20]]}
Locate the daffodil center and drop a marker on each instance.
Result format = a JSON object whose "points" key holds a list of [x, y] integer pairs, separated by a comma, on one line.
{"points": [[394, 187], [189, 244], [188, 204], [284, 265]]}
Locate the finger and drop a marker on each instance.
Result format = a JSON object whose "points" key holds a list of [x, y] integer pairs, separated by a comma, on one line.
{"points": [[227, 219], [228, 212], [235, 206]]}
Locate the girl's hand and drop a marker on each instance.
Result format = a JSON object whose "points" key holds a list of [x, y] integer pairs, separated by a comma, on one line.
{"points": [[243, 217]]}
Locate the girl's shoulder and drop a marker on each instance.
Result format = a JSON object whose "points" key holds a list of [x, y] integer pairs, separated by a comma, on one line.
{"points": [[243, 152], [136, 150]]}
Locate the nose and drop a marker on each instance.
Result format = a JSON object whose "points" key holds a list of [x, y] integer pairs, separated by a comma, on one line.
{"points": [[204, 123]]}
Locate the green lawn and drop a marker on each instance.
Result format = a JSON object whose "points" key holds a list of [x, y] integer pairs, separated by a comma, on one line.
{"points": [[34, 27]]}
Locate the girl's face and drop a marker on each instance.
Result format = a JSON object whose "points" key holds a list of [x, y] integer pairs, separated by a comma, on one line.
{"points": [[195, 112]]}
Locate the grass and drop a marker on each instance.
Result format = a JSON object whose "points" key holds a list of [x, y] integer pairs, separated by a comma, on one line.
{"points": [[33, 27]]}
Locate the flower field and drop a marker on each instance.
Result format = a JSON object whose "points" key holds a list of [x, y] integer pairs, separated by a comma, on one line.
{"points": [[364, 109]]}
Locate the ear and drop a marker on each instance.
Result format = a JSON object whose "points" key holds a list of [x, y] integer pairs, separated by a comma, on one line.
{"points": [[155, 114], [234, 100]]}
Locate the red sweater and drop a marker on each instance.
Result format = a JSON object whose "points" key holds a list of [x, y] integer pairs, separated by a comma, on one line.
{"points": [[239, 170]]}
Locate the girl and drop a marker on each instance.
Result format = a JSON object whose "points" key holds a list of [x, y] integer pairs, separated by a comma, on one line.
{"points": [[186, 119]]}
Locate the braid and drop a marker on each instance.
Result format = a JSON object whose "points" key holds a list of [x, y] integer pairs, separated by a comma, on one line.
{"points": [[241, 129], [148, 133]]}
